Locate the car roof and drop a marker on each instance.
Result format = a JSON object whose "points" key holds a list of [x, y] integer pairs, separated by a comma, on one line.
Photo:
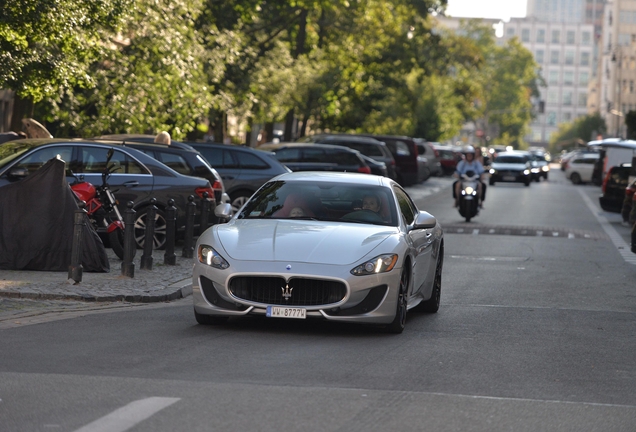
{"points": [[349, 137], [330, 177], [146, 140], [277, 146]]}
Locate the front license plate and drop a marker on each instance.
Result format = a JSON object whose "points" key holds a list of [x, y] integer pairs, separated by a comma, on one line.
{"points": [[286, 312], [509, 178]]}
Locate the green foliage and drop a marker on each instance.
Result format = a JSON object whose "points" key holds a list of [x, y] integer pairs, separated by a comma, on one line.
{"points": [[582, 129], [48, 45]]}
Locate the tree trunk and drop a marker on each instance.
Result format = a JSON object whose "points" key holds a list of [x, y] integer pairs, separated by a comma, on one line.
{"points": [[22, 108], [289, 125]]}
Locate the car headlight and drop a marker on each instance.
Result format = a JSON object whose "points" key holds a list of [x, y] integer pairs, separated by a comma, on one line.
{"points": [[493, 171], [379, 264], [545, 168], [526, 172], [207, 255]]}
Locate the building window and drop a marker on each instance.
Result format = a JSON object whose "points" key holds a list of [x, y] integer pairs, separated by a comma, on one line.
{"points": [[541, 35], [556, 36], [586, 38], [510, 32], [553, 97], [584, 78], [553, 77], [554, 57], [525, 35], [567, 98], [624, 39], [568, 78], [570, 37], [582, 99], [566, 117], [569, 57], [551, 118], [585, 59], [539, 56]]}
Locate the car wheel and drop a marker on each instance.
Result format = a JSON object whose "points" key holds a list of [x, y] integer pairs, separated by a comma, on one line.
{"points": [[526, 183], [159, 238], [397, 326], [432, 305], [491, 182], [209, 319], [239, 198], [576, 178]]}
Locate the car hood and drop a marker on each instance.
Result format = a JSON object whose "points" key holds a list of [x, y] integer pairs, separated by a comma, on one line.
{"points": [[300, 241], [508, 166]]}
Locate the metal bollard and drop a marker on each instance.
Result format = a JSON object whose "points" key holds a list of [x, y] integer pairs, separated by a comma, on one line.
{"points": [[149, 236], [188, 247], [205, 213], [79, 219], [130, 246], [169, 257]]}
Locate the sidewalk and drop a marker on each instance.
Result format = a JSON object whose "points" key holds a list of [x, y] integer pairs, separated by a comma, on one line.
{"points": [[162, 283]]}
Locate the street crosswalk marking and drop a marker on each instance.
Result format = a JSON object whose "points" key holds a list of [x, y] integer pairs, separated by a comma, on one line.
{"points": [[128, 416]]}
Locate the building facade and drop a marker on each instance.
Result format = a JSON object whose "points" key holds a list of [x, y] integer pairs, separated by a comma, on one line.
{"points": [[564, 52]]}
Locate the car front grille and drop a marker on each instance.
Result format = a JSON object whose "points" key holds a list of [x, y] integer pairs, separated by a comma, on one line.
{"points": [[297, 291]]}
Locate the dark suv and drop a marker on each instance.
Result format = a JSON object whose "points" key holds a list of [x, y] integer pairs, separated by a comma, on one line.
{"points": [[318, 157], [139, 177], [242, 169], [369, 147], [179, 156], [404, 151]]}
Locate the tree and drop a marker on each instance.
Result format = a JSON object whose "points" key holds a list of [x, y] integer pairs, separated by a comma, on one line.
{"points": [[581, 129], [48, 45]]}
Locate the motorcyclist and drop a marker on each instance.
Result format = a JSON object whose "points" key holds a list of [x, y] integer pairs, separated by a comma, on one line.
{"points": [[469, 163]]}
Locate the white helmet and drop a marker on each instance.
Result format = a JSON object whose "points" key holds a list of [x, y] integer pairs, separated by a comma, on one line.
{"points": [[469, 149]]}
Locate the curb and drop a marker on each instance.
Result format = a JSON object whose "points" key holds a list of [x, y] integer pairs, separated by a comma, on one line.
{"points": [[176, 290]]}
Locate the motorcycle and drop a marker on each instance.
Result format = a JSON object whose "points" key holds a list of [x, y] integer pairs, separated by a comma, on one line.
{"points": [[468, 195], [101, 207]]}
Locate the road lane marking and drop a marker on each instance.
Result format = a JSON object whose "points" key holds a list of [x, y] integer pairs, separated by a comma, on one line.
{"points": [[623, 248], [128, 416]]}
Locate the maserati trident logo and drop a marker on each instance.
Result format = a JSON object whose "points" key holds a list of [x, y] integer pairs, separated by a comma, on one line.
{"points": [[287, 291]]}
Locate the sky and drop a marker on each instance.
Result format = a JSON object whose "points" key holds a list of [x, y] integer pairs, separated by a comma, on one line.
{"points": [[502, 9]]}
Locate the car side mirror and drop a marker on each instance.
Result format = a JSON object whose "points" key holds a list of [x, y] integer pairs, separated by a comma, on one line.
{"points": [[18, 173], [424, 220], [223, 211]]}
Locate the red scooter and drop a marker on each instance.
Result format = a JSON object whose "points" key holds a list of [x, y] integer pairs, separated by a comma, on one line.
{"points": [[102, 210]]}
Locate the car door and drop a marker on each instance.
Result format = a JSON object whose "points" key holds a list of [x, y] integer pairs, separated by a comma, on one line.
{"points": [[224, 162], [34, 159], [130, 180], [420, 240]]}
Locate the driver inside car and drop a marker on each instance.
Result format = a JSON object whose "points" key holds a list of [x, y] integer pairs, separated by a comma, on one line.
{"points": [[371, 202]]}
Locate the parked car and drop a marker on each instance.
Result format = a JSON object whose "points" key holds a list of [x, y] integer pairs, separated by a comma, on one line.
{"points": [[404, 151], [614, 187], [318, 157], [369, 147], [427, 149], [181, 157], [243, 169], [448, 158], [137, 177], [510, 166], [336, 263], [580, 167]]}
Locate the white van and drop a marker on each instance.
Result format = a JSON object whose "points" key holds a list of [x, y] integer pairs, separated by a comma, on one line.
{"points": [[614, 152]]}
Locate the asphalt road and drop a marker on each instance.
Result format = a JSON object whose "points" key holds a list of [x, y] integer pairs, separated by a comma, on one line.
{"points": [[536, 332]]}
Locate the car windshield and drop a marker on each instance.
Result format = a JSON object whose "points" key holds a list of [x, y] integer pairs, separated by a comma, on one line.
{"points": [[333, 201], [510, 159], [13, 149]]}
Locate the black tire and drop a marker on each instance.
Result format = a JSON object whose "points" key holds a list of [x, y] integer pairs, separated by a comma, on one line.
{"points": [[116, 240], [160, 228], [397, 326], [209, 319], [491, 182], [238, 198], [432, 305], [526, 183], [575, 178]]}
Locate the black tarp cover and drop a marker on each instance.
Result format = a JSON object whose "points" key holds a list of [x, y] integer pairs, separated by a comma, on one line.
{"points": [[36, 224]]}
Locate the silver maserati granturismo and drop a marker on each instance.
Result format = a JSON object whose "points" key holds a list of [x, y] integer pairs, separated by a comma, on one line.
{"points": [[336, 246]]}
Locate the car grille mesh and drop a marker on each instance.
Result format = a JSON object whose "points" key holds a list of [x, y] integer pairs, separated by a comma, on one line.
{"points": [[300, 291]]}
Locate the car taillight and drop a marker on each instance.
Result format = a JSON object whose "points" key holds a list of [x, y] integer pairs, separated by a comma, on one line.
{"points": [[217, 185], [364, 170], [201, 190]]}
